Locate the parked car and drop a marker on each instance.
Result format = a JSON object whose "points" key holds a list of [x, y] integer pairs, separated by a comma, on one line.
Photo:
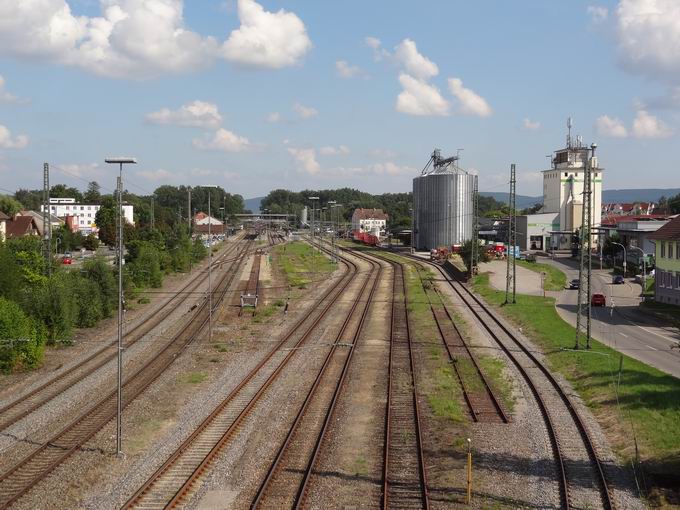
{"points": [[574, 284], [530, 257], [67, 260], [598, 300], [618, 280]]}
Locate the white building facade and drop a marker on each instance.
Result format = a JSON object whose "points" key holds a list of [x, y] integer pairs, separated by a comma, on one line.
{"points": [[84, 214], [372, 221], [563, 186]]}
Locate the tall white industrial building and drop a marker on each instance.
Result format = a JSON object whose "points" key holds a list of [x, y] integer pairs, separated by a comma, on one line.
{"points": [[562, 211]]}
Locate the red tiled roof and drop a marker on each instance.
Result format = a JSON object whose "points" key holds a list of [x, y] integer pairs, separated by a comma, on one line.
{"points": [[373, 214], [3, 216], [21, 226], [670, 231], [615, 219]]}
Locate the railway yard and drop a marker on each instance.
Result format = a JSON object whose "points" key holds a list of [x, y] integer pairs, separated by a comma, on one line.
{"points": [[360, 383]]}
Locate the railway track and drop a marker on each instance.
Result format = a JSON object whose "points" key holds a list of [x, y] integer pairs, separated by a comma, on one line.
{"points": [[580, 473], [288, 478], [38, 465], [57, 385], [404, 473], [483, 405], [253, 285], [174, 482]]}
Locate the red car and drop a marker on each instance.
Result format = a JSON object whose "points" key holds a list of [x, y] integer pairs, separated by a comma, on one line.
{"points": [[67, 260], [598, 300]]}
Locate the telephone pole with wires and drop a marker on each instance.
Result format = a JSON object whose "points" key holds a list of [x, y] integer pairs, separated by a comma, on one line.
{"points": [[47, 223], [585, 258], [510, 278], [474, 256]]}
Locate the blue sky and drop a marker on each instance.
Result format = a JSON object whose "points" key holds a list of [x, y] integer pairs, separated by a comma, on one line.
{"points": [[306, 94]]}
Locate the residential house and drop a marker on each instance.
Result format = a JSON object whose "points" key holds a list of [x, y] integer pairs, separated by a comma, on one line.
{"points": [[84, 214], [667, 278], [372, 221], [21, 226], [3, 225], [203, 219]]}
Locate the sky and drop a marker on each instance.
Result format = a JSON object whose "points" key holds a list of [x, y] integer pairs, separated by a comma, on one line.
{"points": [[302, 94]]}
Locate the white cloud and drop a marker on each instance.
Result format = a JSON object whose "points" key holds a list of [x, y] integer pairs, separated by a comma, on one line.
{"points": [[223, 140], [415, 64], [469, 101], [648, 126], [132, 38], [611, 127], [387, 168], [84, 170], [6, 97], [7, 141], [379, 53], [345, 70], [648, 32], [304, 112], [420, 98], [274, 117], [138, 39], [334, 151], [531, 125], [194, 114], [155, 175], [266, 39], [597, 13], [382, 153], [306, 160]]}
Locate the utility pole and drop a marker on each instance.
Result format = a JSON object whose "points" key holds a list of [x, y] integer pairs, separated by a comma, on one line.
{"points": [[474, 258], [510, 279], [585, 260], [189, 207], [47, 223]]}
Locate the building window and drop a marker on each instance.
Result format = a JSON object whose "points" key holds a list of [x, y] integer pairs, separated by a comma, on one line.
{"points": [[82, 222], [663, 249], [677, 250], [82, 208], [89, 215], [566, 174], [670, 250]]}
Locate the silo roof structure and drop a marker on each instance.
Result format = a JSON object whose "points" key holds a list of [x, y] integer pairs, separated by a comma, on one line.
{"points": [[442, 204]]}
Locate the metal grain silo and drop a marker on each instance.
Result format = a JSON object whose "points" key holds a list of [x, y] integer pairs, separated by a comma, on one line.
{"points": [[442, 204]]}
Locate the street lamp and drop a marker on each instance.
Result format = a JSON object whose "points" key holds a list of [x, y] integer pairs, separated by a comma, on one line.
{"points": [[644, 268], [120, 161], [313, 199], [210, 305], [624, 257]]}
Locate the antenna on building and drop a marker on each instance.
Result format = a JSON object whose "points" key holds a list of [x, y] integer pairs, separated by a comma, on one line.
{"points": [[569, 126]]}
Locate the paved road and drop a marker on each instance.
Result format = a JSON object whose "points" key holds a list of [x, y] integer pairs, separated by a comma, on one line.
{"points": [[623, 326]]}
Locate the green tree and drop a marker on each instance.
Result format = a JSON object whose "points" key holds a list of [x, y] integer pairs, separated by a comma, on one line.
{"points": [[98, 271], [54, 305], [144, 264], [28, 255], [93, 194], [63, 191], [9, 205], [91, 242], [105, 219], [11, 275], [88, 300], [22, 342], [198, 251], [466, 253], [31, 199]]}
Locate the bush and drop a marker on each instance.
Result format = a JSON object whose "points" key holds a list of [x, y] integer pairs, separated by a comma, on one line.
{"points": [[88, 300], [99, 272], [22, 342], [144, 264], [199, 251], [91, 242], [54, 305]]}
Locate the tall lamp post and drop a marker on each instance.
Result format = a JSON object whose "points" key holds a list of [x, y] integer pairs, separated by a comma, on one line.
{"points": [[624, 257], [313, 199], [120, 161], [644, 268], [210, 294]]}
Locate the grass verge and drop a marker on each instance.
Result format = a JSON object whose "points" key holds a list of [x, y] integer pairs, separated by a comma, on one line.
{"points": [[302, 264], [647, 410], [554, 278]]}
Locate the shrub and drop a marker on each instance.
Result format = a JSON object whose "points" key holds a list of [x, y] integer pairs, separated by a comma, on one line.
{"points": [[22, 342]]}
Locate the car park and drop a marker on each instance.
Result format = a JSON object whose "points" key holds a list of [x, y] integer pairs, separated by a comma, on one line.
{"points": [[574, 284], [598, 300]]}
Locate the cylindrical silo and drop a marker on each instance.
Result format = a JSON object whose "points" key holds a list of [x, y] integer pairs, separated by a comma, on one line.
{"points": [[442, 207]]}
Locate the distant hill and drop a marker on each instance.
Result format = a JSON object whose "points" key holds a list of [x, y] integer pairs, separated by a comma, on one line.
{"points": [[638, 195], [608, 196], [254, 204]]}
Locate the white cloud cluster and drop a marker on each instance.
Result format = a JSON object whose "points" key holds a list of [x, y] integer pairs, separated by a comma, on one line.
{"points": [[648, 126], [379, 53], [266, 39], [340, 150], [531, 125], [274, 117], [7, 141], [223, 140], [645, 125], [305, 159], [648, 32], [420, 98], [345, 70], [597, 13], [139, 39], [304, 112], [610, 127], [468, 100], [6, 96], [195, 114], [413, 62]]}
